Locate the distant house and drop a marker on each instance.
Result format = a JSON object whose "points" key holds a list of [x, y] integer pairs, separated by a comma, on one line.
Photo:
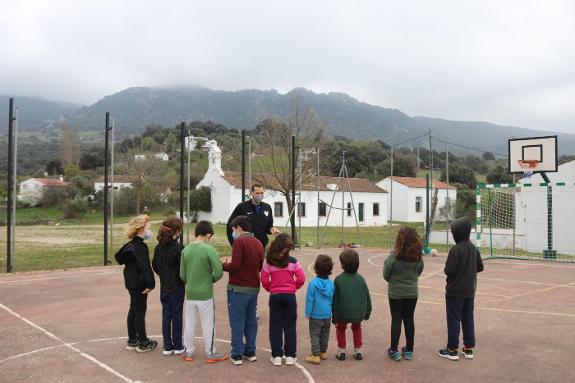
{"points": [[409, 202], [370, 201], [119, 182], [32, 190], [160, 156]]}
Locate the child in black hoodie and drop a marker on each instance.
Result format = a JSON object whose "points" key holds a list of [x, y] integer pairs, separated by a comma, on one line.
{"points": [[166, 264], [462, 265], [139, 280]]}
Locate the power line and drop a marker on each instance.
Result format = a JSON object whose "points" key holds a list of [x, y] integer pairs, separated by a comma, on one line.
{"points": [[467, 147]]}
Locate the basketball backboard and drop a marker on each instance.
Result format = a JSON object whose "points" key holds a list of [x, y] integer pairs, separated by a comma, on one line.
{"points": [[533, 154]]}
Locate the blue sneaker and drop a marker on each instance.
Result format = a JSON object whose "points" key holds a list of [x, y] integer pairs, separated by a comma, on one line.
{"points": [[407, 355], [394, 355]]}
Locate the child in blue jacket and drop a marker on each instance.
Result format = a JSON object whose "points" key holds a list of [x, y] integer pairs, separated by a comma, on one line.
{"points": [[319, 298]]}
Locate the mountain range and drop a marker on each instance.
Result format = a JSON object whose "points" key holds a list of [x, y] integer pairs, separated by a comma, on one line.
{"points": [[133, 109]]}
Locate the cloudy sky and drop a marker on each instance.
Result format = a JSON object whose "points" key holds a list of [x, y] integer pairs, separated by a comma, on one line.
{"points": [[507, 62]]}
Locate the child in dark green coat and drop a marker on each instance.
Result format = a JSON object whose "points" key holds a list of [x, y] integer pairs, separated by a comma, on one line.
{"points": [[401, 270], [351, 303]]}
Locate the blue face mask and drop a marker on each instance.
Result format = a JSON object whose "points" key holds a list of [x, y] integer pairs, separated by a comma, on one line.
{"points": [[147, 235], [235, 235]]}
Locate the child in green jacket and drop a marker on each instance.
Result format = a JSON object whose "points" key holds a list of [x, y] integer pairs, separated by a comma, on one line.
{"points": [[351, 303], [401, 270]]}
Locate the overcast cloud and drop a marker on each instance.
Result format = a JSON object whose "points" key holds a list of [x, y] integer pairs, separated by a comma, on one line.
{"points": [[507, 62]]}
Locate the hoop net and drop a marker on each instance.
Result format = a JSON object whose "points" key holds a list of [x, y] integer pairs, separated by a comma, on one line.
{"points": [[528, 166]]}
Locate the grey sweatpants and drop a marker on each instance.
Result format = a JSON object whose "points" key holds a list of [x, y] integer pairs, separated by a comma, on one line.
{"points": [[319, 334]]}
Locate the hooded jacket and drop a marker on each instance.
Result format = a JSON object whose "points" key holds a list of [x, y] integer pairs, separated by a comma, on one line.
{"points": [[319, 297], [463, 262], [166, 264], [402, 277], [261, 222], [138, 274]]}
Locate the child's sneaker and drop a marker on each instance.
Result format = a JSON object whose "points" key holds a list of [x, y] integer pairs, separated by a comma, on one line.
{"points": [[467, 352], [132, 344], [167, 352], [323, 355], [188, 356], [150, 346], [340, 354], [448, 354], [277, 361], [407, 355], [180, 351], [217, 357], [236, 360], [394, 355], [358, 354], [290, 360], [313, 359], [251, 356]]}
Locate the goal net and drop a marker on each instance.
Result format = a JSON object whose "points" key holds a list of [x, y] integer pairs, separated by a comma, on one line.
{"points": [[526, 221]]}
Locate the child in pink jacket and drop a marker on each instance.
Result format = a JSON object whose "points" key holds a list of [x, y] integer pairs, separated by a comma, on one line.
{"points": [[282, 276]]}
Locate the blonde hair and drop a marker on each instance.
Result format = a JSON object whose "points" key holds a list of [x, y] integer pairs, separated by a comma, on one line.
{"points": [[136, 224]]}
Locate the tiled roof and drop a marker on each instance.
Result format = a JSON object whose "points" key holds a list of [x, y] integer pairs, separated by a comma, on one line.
{"points": [[414, 182], [56, 182], [117, 178], [358, 185]]}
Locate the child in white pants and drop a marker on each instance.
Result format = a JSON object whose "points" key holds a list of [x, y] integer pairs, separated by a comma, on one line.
{"points": [[205, 311]]}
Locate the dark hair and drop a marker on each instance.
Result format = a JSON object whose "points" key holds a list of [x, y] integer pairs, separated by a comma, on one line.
{"points": [[278, 252], [323, 265], [408, 245], [256, 185], [169, 227], [241, 221], [349, 259], [204, 228]]}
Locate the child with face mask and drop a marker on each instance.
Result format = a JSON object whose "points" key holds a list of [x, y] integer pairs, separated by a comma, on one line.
{"points": [[166, 264], [139, 280]]}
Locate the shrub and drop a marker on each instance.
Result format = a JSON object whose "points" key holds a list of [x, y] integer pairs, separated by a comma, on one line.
{"points": [[74, 209]]}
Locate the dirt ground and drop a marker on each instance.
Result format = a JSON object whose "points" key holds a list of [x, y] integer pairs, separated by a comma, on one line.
{"points": [[69, 326]]}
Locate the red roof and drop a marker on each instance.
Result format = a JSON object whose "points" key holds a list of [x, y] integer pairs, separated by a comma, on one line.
{"points": [[414, 182], [358, 185], [52, 182]]}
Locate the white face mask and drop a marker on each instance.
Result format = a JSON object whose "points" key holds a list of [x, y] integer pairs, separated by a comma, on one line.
{"points": [[258, 198], [147, 235], [235, 235]]}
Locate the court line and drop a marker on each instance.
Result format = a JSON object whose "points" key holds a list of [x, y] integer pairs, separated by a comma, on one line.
{"points": [[532, 292], [58, 277], [69, 345], [306, 373]]}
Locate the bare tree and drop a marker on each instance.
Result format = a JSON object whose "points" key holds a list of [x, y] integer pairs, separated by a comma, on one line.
{"points": [[69, 148]]}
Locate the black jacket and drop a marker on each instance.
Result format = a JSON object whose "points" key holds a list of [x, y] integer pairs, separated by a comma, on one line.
{"points": [[262, 223], [138, 274], [463, 262], [166, 264]]}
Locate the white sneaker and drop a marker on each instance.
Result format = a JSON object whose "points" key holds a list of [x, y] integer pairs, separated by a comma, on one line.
{"points": [[179, 352], [167, 352], [290, 361], [277, 361]]}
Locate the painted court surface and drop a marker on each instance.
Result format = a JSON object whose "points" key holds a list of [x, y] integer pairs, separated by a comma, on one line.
{"points": [[69, 326]]}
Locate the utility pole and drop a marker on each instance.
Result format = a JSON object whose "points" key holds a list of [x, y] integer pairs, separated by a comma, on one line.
{"points": [[106, 186], [10, 216], [182, 151]]}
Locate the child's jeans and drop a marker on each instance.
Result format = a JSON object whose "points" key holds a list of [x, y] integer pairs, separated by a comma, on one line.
{"points": [[243, 322], [340, 328], [172, 313], [319, 335], [137, 316], [460, 315], [283, 316]]}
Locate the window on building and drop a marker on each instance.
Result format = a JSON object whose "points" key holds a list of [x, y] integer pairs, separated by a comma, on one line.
{"points": [[322, 209], [375, 209], [349, 210], [278, 209], [418, 204], [301, 209]]}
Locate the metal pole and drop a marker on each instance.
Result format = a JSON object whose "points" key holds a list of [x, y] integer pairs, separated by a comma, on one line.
{"points": [[10, 188], [243, 165], [343, 211], [293, 158], [549, 253], [430, 198], [427, 210], [447, 205], [391, 202], [183, 148], [318, 181], [106, 166], [15, 183], [190, 141], [299, 198], [112, 190]]}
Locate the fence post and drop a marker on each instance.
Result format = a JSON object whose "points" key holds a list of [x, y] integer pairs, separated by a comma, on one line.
{"points": [[9, 211]]}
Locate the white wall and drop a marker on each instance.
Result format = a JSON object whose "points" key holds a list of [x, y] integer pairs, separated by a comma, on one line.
{"points": [[117, 185], [30, 186]]}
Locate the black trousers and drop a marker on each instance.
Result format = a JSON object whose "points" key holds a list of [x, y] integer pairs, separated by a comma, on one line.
{"points": [[283, 316], [402, 310], [460, 315], [137, 316]]}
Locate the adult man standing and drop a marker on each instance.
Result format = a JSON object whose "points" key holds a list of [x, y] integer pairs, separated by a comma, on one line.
{"points": [[259, 214]]}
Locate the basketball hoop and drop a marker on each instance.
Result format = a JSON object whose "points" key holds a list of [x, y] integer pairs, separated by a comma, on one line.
{"points": [[528, 166]]}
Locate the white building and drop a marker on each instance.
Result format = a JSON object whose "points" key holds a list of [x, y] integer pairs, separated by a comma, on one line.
{"points": [[119, 182], [370, 201], [409, 202], [32, 189]]}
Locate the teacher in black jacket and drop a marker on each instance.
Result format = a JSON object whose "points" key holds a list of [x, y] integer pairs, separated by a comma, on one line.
{"points": [[259, 214]]}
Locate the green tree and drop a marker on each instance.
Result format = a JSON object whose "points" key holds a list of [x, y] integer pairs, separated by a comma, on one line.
{"points": [[499, 175], [459, 173]]}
